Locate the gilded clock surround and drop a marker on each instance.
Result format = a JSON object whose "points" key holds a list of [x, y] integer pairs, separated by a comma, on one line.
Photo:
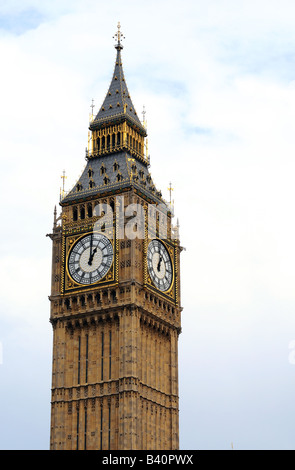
{"points": [[70, 282], [115, 366]]}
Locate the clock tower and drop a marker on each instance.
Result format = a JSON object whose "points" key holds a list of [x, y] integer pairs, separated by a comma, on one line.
{"points": [[115, 295]]}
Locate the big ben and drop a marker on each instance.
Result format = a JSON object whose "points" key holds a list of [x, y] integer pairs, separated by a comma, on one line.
{"points": [[115, 295]]}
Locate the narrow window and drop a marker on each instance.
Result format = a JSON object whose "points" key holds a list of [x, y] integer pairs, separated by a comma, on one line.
{"points": [[102, 349], [77, 430], [89, 210], [79, 357], [118, 138], [85, 430], [110, 354], [109, 427], [75, 213], [82, 212], [86, 360], [101, 428]]}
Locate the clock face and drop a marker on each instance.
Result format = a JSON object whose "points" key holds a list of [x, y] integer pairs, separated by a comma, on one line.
{"points": [[90, 258], [159, 265]]}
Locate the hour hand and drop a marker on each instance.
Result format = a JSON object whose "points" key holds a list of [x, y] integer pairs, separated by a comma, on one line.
{"points": [[92, 256]]}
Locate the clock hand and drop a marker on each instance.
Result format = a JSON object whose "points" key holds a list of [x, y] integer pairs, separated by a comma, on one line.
{"points": [[91, 254], [96, 248], [159, 263]]}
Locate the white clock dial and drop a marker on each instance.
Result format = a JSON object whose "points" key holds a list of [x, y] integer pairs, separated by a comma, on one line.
{"points": [[159, 265], [90, 258]]}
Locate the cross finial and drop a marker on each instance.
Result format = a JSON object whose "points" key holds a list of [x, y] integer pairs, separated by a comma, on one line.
{"points": [[143, 117], [170, 189], [119, 36], [92, 105], [63, 178], [62, 191]]}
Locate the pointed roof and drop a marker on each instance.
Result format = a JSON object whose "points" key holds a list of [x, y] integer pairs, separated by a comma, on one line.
{"points": [[117, 105], [119, 173]]}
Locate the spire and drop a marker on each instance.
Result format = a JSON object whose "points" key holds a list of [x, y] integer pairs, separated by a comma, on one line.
{"points": [[117, 105]]}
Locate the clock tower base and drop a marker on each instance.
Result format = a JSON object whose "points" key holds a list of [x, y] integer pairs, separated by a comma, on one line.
{"points": [[115, 379]]}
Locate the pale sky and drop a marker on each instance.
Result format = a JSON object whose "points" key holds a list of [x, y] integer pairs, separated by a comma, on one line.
{"points": [[217, 79]]}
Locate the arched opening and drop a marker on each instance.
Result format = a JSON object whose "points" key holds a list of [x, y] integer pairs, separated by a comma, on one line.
{"points": [[89, 210], [75, 213], [113, 296]]}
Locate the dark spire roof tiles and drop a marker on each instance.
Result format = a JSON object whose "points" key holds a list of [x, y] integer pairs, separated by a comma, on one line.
{"points": [[117, 104], [113, 165]]}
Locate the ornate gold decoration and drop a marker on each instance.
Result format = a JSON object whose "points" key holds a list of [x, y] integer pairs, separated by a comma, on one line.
{"points": [[119, 35], [67, 283]]}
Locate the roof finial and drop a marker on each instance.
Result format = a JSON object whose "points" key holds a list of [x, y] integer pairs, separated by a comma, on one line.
{"points": [[62, 191], [119, 36], [170, 189], [92, 106], [143, 117]]}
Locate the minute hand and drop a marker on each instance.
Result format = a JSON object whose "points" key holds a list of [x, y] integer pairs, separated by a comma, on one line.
{"points": [[91, 254]]}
